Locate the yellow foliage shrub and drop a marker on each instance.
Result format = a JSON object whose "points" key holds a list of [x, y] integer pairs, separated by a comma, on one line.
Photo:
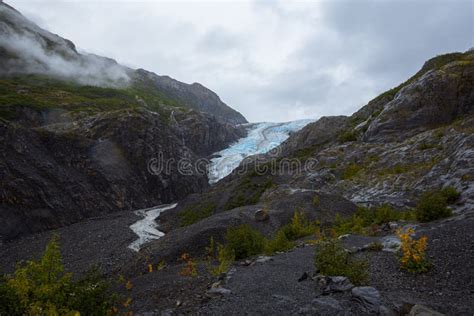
{"points": [[413, 256]]}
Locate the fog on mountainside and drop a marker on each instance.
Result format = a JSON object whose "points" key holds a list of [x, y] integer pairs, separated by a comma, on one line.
{"points": [[30, 50]]}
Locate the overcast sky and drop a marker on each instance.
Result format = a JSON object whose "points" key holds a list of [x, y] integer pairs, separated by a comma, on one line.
{"points": [[270, 60]]}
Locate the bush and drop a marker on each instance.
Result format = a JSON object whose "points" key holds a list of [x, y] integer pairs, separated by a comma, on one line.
{"points": [[413, 257], [278, 243], [244, 241], [433, 205], [364, 218], [43, 288], [333, 260], [223, 255], [299, 227], [451, 194]]}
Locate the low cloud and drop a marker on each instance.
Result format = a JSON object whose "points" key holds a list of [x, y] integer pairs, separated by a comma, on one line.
{"points": [[30, 50]]}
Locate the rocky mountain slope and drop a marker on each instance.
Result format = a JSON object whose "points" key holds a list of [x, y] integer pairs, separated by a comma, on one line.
{"points": [[26, 48], [79, 133], [410, 140]]}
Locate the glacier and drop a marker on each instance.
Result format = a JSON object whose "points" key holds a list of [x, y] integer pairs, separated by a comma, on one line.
{"points": [[261, 138]]}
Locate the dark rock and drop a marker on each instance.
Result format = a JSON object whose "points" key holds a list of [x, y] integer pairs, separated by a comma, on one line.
{"points": [[303, 277], [367, 299], [337, 284], [261, 215], [420, 310]]}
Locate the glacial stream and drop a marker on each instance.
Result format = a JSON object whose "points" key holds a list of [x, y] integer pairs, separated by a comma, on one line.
{"points": [[146, 228], [261, 138]]}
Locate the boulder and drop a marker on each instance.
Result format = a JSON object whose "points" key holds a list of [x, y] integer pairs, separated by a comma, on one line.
{"points": [[420, 310], [261, 215], [337, 284], [367, 299]]}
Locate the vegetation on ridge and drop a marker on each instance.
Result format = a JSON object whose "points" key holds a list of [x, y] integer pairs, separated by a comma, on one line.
{"points": [[42, 93]]}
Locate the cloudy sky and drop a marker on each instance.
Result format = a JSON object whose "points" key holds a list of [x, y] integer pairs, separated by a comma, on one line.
{"points": [[270, 60]]}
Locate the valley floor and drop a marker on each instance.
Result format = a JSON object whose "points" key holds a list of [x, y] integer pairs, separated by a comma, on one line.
{"points": [[268, 287]]}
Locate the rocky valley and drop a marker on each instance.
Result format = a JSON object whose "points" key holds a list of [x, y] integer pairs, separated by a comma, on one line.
{"points": [[367, 214]]}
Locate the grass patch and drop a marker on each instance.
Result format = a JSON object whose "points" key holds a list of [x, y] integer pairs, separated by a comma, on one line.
{"points": [[347, 136], [351, 171], [42, 93], [196, 212]]}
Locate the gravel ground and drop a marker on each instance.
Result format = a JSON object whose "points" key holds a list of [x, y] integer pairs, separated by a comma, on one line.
{"points": [[102, 241], [270, 287], [448, 286]]}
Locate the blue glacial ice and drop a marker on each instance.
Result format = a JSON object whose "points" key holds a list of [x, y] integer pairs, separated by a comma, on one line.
{"points": [[261, 138]]}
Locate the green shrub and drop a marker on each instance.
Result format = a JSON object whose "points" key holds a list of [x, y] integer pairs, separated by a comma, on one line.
{"points": [[347, 136], [451, 194], [364, 218], [333, 260], [299, 227], [425, 146], [432, 206], [194, 213], [43, 288], [244, 241], [278, 243], [224, 256]]}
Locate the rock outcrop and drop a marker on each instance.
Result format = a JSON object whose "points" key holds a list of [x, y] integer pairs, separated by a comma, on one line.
{"points": [[413, 138], [82, 136]]}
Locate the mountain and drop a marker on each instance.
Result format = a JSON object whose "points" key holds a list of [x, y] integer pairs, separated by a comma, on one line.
{"points": [[367, 214], [408, 141], [25, 48], [79, 133]]}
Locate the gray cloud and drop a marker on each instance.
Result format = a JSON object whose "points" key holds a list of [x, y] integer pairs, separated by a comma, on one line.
{"points": [[271, 60]]}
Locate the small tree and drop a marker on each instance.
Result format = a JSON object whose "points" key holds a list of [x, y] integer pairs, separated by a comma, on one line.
{"points": [[42, 287]]}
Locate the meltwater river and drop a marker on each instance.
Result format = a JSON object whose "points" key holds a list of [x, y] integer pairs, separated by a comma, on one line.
{"points": [[261, 138]]}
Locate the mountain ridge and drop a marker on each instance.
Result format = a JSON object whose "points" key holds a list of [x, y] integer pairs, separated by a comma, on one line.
{"points": [[26, 48]]}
